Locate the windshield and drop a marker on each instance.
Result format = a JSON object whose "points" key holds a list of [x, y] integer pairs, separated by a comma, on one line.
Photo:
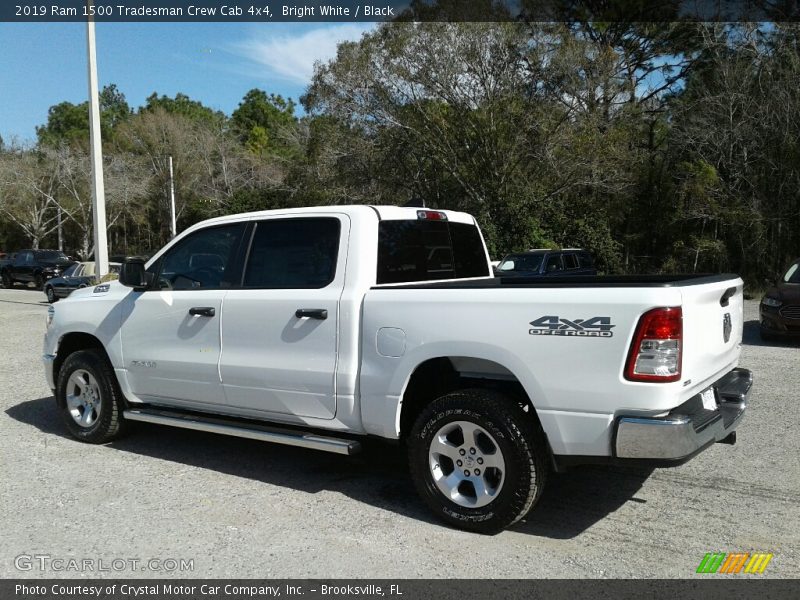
{"points": [[51, 256], [521, 262], [71, 270], [793, 274]]}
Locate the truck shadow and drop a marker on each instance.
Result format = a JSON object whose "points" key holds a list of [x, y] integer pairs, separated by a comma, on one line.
{"points": [[570, 504], [752, 337]]}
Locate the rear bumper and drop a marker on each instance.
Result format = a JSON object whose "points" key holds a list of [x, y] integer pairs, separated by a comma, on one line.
{"points": [[686, 430]]}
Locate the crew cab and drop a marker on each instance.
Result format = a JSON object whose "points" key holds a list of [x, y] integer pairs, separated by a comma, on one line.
{"points": [[318, 327]]}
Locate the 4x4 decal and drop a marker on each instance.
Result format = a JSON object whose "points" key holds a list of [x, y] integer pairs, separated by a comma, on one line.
{"points": [[554, 325]]}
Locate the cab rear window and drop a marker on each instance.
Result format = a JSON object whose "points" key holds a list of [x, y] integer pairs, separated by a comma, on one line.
{"points": [[422, 250]]}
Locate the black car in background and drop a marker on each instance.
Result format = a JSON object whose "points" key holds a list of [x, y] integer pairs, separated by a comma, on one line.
{"points": [[34, 266], [79, 275], [780, 306], [6, 259], [546, 263]]}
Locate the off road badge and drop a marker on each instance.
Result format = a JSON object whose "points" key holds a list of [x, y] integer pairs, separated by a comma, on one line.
{"points": [[597, 327]]}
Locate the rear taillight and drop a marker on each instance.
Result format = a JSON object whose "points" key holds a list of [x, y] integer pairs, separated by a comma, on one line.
{"points": [[655, 353]]}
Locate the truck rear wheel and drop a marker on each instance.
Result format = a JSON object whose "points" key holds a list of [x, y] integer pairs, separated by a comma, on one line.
{"points": [[89, 398], [478, 460]]}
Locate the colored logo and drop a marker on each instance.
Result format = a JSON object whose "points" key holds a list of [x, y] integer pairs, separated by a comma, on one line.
{"points": [[736, 562]]}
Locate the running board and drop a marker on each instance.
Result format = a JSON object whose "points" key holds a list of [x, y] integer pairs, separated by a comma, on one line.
{"points": [[249, 430]]}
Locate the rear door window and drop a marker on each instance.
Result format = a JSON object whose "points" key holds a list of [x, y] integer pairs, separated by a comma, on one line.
{"points": [[570, 261], [585, 260], [298, 253], [553, 264]]}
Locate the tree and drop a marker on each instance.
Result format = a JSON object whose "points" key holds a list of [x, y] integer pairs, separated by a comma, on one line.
{"points": [[264, 123], [184, 106], [28, 184], [69, 123], [126, 183], [473, 116], [66, 122], [736, 123]]}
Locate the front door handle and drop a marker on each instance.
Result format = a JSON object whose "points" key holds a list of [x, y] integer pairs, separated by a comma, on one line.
{"points": [[313, 313], [202, 311]]}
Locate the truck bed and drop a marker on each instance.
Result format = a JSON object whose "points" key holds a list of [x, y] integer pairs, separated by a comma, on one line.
{"points": [[577, 383], [591, 281]]}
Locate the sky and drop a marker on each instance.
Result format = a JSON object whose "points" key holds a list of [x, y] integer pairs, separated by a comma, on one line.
{"points": [[42, 64]]}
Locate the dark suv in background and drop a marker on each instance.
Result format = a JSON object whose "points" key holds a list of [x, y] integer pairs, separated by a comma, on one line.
{"points": [[35, 266], [545, 262], [780, 306]]}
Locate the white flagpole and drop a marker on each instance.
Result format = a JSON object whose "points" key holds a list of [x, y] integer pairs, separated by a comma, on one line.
{"points": [[98, 187]]}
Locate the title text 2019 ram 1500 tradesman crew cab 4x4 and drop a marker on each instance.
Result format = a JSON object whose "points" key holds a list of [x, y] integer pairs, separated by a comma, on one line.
{"points": [[315, 327]]}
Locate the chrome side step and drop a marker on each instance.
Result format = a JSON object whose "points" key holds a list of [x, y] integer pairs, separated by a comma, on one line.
{"points": [[252, 431]]}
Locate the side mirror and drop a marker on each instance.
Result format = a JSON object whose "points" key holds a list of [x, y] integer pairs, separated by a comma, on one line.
{"points": [[132, 274]]}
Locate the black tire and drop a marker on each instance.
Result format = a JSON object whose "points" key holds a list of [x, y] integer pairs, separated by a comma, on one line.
{"points": [[8, 283], [102, 425], [38, 281], [51, 294], [516, 434]]}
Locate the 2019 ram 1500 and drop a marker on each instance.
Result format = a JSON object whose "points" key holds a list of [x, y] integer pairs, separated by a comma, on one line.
{"points": [[315, 327]]}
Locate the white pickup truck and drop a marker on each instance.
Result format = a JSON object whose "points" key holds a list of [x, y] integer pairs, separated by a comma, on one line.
{"points": [[316, 327]]}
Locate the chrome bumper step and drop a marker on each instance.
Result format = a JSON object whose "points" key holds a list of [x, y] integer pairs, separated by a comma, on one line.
{"points": [[249, 429], [683, 433]]}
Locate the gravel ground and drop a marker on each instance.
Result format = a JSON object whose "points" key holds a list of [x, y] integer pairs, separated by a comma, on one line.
{"points": [[241, 508]]}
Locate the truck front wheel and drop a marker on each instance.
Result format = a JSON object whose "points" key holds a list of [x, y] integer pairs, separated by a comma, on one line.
{"points": [[89, 398], [478, 459]]}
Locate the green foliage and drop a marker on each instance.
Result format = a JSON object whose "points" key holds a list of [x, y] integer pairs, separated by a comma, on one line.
{"points": [[109, 277], [181, 104], [66, 122], [265, 123], [69, 123], [660, 146], [114, 108]]}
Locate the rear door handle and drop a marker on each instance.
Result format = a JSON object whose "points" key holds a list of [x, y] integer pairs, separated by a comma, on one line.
{"points": [[312, 313], [202, 311]]}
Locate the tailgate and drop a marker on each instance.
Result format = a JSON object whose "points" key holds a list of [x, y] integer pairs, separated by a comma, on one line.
{"points": [[712, 329]]}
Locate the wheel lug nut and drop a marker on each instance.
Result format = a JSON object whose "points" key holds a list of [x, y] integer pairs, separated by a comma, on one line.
{"points": [[480, 461], [466, 472], [459, 463], [462, 452], [472, 450], [477, 471]]}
